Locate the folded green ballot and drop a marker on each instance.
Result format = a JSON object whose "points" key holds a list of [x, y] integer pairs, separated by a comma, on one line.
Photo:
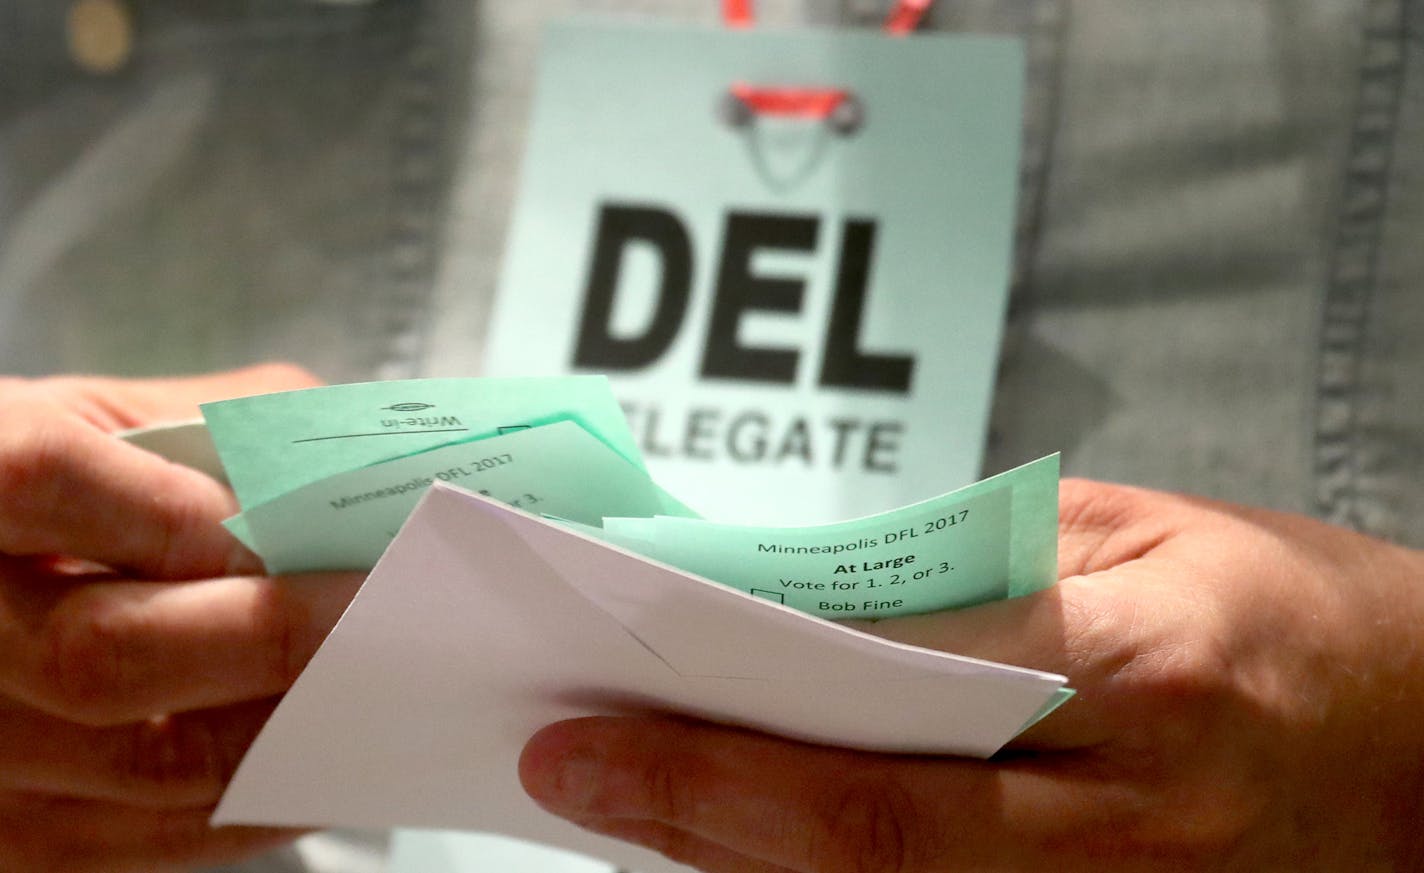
{"points": [[273, 443], [347, 520], [990, 540], [327, 476]]}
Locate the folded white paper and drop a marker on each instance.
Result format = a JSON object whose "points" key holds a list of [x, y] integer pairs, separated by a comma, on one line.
{"points": [[482, 623]]}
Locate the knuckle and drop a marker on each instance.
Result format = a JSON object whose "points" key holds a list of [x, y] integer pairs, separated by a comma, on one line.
{"points": [[83, 666], [180, 520], [1129, 649], [34, 462], [178, 760], [865, 827], [1187, 696], [281, 621], [1102, 645], [668, 794], [1196, 671]]}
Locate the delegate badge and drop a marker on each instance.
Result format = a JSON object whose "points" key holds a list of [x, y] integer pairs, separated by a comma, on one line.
{"points": [[788, 250]]}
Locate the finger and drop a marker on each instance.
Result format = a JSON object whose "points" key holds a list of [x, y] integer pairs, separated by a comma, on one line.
{"points": [[38, 833], [680, 846], [118, 652], [119, 404], [802, 807], [176, 762], [66, 488]]}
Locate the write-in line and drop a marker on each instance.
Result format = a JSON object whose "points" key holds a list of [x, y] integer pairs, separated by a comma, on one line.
{"points": [[347, 436]]}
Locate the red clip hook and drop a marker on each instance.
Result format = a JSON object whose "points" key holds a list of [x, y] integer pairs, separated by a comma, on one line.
{"points": [[835, 105], [906, 16], [814, 103], [738, 13]]}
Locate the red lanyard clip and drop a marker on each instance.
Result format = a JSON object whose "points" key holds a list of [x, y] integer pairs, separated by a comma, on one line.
{"points": [[738, 13], [836, 106], [904, 17]]}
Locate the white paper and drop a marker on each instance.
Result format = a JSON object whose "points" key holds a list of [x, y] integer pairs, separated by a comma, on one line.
{"points": [[183, 442], [482, 624], [454, 852]]}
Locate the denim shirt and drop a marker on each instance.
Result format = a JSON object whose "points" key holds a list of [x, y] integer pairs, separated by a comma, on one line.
{"points": [[1218, 280], [1219, 276]]}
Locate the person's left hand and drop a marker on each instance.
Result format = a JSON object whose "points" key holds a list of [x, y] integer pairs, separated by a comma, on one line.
{"points": [[1251, 690], [141, 647]]}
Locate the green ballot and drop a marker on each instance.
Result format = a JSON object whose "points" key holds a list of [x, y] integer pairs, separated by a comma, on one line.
{"points": [[347, 520], [237, 526], [327, 476], [990, 540], [274, 443]]}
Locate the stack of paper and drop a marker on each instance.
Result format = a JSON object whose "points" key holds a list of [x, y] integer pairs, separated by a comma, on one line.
{"points": [[485, 620], [327, 476]]}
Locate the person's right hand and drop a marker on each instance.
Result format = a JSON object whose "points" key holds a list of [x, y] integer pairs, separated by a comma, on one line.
{"points": [[141, 649]]}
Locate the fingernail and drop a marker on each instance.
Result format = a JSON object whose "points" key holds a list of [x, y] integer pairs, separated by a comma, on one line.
{"points": [[575, 782]]}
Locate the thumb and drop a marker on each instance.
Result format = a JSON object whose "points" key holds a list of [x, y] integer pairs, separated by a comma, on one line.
{"points": [[1073, 628], [1087, 626]]}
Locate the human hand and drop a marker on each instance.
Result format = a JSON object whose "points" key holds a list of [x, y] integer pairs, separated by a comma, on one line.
{"points": [[1251, 686], [140, 648]]}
